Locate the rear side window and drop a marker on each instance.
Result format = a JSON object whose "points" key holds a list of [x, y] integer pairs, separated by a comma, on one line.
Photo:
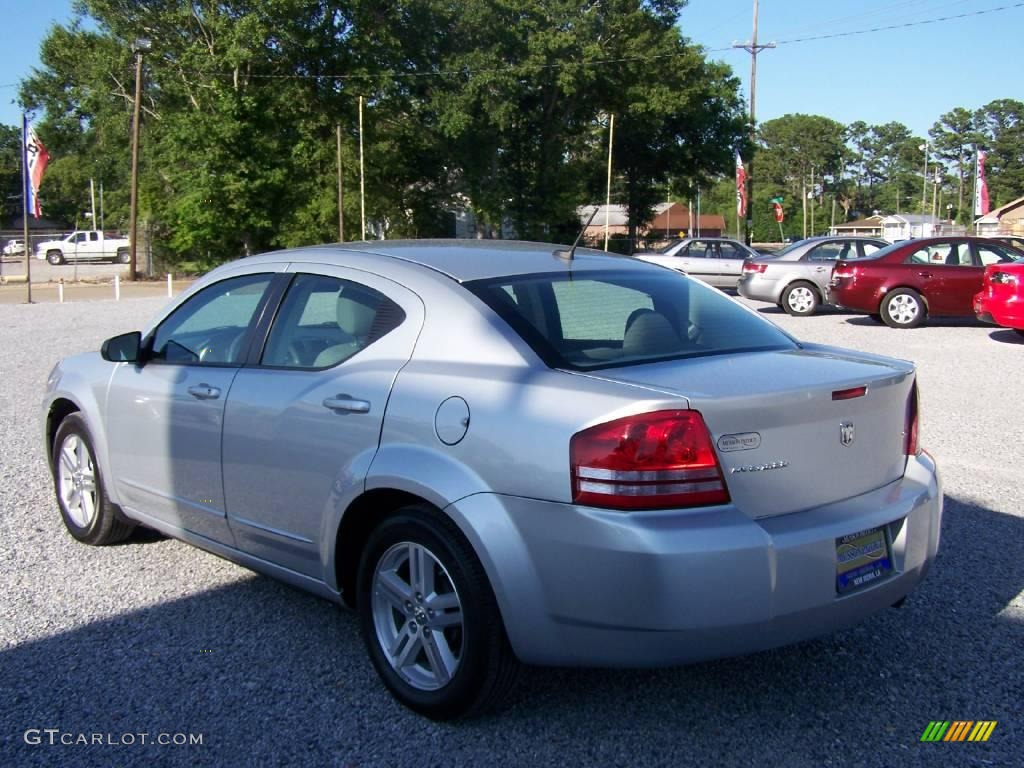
{"points": [[325, 320], [599, 319]]}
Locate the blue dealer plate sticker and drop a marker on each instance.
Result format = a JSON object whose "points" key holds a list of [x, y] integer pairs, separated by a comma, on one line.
{"points": [[861, 559]]}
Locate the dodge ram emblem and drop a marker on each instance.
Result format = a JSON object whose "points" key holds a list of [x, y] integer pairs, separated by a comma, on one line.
{"points": [[846, 432]]}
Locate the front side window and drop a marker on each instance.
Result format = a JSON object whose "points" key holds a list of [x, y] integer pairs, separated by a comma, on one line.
{"points": [[212, 326], [598, 319], [702, 249], [937, 254], [324, 321]]}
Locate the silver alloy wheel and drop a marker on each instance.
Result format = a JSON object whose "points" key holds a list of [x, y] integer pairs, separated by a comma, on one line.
{"points": [[801, 299], [76, 480], [417, 616], [903, 309]]}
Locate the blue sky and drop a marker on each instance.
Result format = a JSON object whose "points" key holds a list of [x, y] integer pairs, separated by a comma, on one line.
{"points": [[911, 75]]}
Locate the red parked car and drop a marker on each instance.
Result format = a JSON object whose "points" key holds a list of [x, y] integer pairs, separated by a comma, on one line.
{"points": [[1001, 300], [903, 284]]}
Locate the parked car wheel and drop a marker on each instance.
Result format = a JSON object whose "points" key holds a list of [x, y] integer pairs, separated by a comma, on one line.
{"points": [[123, 257], [85, 508], [55, 257], [800, 299], [429, 617], [903, 308]]}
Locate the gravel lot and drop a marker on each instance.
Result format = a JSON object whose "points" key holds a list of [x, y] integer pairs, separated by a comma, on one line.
{"points": [[157, 637]]}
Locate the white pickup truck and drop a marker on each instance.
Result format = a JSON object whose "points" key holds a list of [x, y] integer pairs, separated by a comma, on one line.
{"points": [[84, 245]]}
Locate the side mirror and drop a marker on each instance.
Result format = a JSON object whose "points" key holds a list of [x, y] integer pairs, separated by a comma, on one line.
{"points": [[122, 349]]}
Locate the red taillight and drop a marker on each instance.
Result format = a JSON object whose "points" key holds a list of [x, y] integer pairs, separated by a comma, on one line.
{"points": [[849, 394], [648, 461], [753, 268], [913, 431]]}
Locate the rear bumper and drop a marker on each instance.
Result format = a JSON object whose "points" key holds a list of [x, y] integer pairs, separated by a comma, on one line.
{"points": [[754, 285], [1008, 312], [588, 587]]}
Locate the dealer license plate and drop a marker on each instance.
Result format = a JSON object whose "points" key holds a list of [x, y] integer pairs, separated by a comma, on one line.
{"points": [[861, 559]]}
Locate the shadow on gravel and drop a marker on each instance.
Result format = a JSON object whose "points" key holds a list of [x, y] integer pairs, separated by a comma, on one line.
{"points": [[931, 322], [272, 676], [1007, 336]]}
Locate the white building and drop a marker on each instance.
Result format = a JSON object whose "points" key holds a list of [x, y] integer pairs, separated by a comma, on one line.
{"points": [[905, 226]]}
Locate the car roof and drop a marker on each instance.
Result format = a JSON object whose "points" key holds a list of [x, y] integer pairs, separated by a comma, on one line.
{"points": [[461, 260]]}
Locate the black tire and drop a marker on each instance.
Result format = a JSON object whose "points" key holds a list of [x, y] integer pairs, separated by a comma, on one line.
{"points": [[877, 318], [55, 257], [486, 665], [106, 524], [123, 256], [903, 308], [801, 299]]}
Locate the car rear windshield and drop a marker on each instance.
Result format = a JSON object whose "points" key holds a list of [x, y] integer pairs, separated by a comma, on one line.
{"points": [[601, 319]]}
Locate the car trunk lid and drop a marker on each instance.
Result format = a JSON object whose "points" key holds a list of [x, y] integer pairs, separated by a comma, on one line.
{"points": [[793, 429]]}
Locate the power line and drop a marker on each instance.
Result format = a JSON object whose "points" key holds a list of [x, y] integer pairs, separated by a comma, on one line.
{"points": [[610, 61], [903, 25]]}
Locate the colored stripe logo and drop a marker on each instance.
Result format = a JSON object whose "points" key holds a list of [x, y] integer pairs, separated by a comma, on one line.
{"points": [[959, 730]]}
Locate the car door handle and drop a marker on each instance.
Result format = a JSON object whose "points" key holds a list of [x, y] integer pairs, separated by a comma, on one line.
{"points": [[924, 274], [204, 392], [347, 404]]}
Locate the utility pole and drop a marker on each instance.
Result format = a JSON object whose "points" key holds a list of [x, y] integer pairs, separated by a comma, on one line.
{"points": [[341, 190], [753, 49], [133, 216]]}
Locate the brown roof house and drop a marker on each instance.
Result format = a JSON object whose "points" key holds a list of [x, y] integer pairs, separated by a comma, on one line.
{"points": [[1005, 220], [670, 220]]}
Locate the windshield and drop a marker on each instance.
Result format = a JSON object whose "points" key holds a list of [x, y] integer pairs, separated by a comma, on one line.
{"points": [[601, 319]]}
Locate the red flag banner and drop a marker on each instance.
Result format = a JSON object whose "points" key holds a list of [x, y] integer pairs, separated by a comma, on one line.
{"points": [[741, 187], [36, 159], [981, 186]]}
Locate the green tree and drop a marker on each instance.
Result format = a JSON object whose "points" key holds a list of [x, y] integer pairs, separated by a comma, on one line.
{"points": [[10, 172], [954, 137], [1000, 129]]}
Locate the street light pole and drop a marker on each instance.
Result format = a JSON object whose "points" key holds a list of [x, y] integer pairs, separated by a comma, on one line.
{"points": [[140, 45], [924, 177]]}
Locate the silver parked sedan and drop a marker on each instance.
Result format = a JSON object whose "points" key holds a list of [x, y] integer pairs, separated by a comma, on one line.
{"points": [[500, 453], [797, 277], [717, 261]]}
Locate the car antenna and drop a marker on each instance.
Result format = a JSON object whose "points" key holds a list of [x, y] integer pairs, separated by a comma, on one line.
{"points": [[571, 253]]}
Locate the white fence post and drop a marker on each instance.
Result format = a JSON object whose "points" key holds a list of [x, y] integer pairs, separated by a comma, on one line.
{"points": [[170, 289], [117, 287], [60, 291]]}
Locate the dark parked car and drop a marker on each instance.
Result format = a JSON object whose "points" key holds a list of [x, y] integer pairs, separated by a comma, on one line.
{"points": [[903, 284]]}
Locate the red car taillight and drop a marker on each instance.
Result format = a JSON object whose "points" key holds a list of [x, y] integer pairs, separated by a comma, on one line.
{"points": [[913, 427], [1002, 278], [754, 268], [648, 461]]}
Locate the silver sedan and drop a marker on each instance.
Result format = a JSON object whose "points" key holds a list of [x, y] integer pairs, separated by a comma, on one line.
{"points": [[797, 277], [504, 452], [717, 261]]}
